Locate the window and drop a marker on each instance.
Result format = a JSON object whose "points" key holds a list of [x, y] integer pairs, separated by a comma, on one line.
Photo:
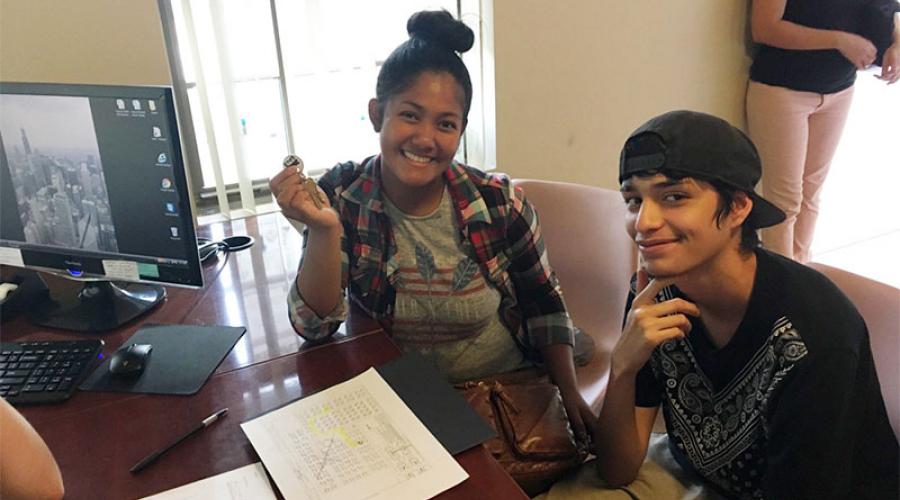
{"points": [[267, 77]]}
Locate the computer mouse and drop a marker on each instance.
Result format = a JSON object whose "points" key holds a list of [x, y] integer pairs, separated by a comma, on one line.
{"points": [[129, 361]]}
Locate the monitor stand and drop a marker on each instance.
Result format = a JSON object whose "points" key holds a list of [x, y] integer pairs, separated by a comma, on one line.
{"points": [[97, 306]]}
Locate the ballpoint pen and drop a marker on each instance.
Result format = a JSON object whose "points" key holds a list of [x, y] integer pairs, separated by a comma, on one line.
{"points": [[149, 459]]}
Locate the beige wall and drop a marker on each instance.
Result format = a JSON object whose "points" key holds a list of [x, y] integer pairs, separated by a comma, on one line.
{"points": [[82, 41], [574, 77]]}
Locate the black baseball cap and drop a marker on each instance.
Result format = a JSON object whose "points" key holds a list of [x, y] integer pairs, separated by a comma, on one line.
{"points": [[699, 145]]}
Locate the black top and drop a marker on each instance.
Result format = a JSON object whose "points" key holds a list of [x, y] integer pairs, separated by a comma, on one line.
{"points": [[820, 71], [790, 407]]}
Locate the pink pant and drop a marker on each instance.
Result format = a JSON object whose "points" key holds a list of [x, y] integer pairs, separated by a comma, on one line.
{"points": [[796, 134]]}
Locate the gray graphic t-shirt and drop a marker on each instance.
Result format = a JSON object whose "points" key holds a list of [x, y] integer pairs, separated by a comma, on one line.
{"points": [[444, 309]]}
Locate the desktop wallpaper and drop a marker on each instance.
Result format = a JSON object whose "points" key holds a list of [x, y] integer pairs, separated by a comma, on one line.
{"points": [[56, 172]]}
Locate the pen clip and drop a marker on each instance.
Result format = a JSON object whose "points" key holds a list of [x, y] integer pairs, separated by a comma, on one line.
{"points": [[215, 416]]}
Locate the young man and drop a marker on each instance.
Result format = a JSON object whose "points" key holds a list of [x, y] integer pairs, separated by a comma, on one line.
{"points": [[761, 365]]}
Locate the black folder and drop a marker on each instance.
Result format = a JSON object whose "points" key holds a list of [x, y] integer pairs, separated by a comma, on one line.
{"points": [[183, 357], [436, 403], [440, 408]]}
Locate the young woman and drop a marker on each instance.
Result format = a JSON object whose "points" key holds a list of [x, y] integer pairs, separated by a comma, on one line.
{"points": [[448, 258], [801, 86]]}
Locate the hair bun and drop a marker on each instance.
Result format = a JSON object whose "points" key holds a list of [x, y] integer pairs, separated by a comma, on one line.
{"points": [[439, 27]]}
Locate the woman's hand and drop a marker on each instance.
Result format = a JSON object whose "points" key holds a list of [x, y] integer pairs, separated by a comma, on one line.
{"points": [[581, 417], [890, 64], [858, 50], [296, 202], [649, 324]]}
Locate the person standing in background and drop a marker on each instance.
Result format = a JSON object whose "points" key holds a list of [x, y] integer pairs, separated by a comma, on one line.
{"points": [[799, 95]]}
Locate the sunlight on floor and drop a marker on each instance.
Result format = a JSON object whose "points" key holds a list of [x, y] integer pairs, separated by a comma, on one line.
{"points": [[859, 222]]}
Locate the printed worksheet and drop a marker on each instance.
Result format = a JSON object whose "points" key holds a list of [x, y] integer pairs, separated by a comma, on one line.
{"points": [[355, 440], [245, 483]]}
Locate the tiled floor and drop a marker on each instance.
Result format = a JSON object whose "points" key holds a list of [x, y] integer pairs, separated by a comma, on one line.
{"points": [[859, 222]]}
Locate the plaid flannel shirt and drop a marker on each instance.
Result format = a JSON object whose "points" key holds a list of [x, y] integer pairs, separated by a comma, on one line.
{"points": [[498, 229]]}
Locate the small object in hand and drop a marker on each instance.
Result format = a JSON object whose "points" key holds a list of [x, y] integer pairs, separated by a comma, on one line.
{"points": [[308, 184], [293, 161], [312, 189]]}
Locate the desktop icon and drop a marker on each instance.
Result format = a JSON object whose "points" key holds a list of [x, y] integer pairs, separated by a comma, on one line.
{"points": [[136, 104], [120, 103], [166, 183], [170, 207], [162, 158], [157, 132], [151, 105], [174, 231]]}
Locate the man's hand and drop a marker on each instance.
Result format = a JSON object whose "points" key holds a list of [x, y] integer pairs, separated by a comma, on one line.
{"points": [[649, 324]]}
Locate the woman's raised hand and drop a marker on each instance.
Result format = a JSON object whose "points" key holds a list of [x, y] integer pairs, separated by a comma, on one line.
{"points": [[294, 194]]}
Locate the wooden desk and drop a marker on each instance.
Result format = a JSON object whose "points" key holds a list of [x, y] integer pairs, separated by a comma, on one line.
{"points": [[96, 446], [249, 288], [96, 437]]}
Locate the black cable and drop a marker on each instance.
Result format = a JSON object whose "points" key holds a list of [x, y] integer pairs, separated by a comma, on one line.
{"points": [[208, 248]]}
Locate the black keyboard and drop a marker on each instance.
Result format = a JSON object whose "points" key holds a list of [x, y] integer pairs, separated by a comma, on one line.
{"points": [[45, 372]]}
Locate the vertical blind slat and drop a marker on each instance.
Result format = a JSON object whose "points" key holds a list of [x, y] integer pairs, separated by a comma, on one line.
{"points": [[221, 195], [248, 203]]}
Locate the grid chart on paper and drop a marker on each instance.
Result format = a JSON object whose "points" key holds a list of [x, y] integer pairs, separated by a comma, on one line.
{"points": [[348, 438]]}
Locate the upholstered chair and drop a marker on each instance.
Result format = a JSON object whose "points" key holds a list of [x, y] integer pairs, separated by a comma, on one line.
{"points": [[594, 258], [879, 305]]}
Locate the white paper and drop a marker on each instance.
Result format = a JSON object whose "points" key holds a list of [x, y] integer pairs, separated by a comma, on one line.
{"points": [[11, 257], [355, 440], [246, 483], [121, 269]]}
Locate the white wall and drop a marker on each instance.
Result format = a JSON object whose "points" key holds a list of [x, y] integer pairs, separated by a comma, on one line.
{"points": [[575, 77], [82, 41]]}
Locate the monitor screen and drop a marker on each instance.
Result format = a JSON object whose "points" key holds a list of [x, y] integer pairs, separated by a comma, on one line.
{"points": [[93, 183]]}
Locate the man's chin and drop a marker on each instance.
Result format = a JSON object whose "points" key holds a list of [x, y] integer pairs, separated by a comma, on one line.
{"points": [[663, 272]]}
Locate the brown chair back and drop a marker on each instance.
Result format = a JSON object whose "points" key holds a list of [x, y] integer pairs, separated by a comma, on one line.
{"points": [[879, 305], [593, 256]]}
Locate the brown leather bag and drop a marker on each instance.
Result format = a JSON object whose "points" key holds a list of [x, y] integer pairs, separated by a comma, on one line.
{"points": [[534, 443]]}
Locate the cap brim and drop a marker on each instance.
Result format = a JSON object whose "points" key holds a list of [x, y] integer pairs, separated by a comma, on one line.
{"points": [[764, 213]]}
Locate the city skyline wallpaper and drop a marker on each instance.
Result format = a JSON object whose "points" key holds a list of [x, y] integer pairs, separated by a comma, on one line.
{"points": [[56, 172]]}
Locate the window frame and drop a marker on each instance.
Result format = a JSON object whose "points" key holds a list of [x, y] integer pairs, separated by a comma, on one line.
{"points": [[477, 147]]}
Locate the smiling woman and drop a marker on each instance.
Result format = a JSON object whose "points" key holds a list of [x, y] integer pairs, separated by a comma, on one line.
{"points": [[448, 258], [420, 129]]}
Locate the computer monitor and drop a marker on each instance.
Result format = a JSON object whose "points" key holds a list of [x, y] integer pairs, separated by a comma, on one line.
{"points": [[93, 187]]}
